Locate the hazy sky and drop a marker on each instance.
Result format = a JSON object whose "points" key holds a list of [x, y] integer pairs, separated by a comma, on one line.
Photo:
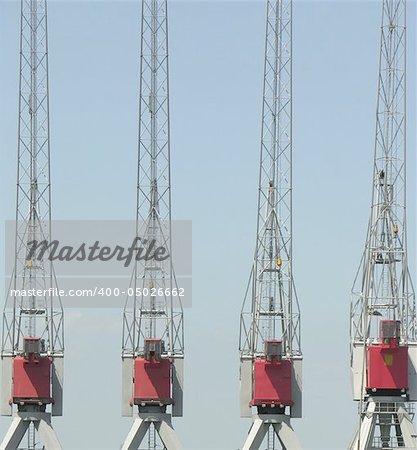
{"points": [[216, 67]]}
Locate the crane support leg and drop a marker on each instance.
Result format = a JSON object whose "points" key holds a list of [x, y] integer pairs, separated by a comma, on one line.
{"points": [[256, 435], [136, 434], [163, 426], [385, 414], [47, 434], [287, 436], [407, 428], [14, 434], [20, 424], [282, 428], [362, 436], [167, 434]]}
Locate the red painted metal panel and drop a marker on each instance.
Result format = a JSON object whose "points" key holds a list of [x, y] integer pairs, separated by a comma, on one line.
{"points": [[387, 367], [272, 382], [152, 381], [32, 380]]}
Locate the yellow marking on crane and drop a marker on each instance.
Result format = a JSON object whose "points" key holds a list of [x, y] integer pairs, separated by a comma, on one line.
{"points": [[389, 359]]}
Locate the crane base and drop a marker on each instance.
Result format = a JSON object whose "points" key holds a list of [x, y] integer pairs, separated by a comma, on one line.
{"points": [[20, 424], [163, 426], [282, 427], [385, 424]]}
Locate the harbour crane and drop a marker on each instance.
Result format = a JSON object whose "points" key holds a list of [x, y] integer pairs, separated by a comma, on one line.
{"points": [[383, 316], [270, 347], [32, 339], [153, 334]]}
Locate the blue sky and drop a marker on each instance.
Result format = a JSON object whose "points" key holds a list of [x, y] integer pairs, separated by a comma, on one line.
{"points": [[216, 51]]}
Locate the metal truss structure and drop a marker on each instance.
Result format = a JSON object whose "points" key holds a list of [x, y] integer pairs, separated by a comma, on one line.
{"points": [[150, 318], [270, 313], [383, 294], [32, 324]]}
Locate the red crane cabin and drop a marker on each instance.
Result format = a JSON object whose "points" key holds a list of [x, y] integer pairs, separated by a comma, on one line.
{"points": [[32, 374], [387, 367], [152, 376], [272, 377]]}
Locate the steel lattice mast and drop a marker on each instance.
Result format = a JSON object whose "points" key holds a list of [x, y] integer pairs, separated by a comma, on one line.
{"points": [[153, 323], [32, 342], [383, 319], [270, 319]]}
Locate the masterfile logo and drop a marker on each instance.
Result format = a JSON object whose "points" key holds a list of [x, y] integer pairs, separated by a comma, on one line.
{"points": [[141, 249], [100, 263]]}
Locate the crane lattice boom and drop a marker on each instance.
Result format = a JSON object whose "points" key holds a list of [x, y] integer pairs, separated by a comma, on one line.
{"points": [[271, 309]]}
